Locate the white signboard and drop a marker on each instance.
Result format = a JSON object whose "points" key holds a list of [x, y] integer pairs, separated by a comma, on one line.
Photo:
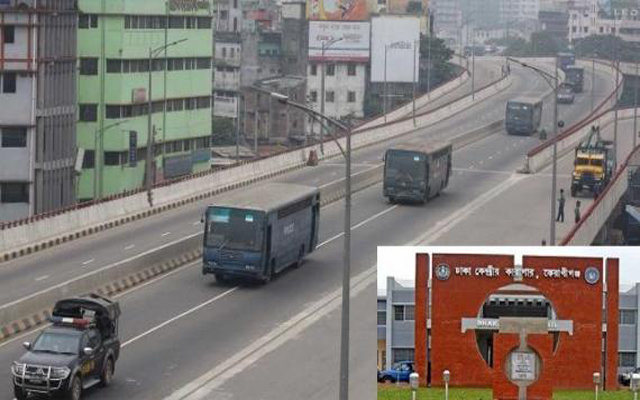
{"points": [[523, 366], [399, 37], [342, 41]]}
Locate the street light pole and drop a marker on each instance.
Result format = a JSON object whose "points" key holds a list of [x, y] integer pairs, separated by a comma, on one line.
{"points": [[384, 101], [552, 235], [97, 175], [237, 130], [346, 275], [635, 107], [473, 64], [429, 64], [593, 80], [150, 156], [415, 50]]}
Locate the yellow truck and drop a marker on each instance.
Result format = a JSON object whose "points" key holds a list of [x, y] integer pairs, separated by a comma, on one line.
{"points": [[593, 165]]}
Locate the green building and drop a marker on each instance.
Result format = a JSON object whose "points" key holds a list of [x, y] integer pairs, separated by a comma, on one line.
{"points": [[114, 42]]}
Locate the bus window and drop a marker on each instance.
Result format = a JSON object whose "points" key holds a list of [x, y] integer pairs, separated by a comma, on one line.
{"points": [[596, 163], [406, 163], [234, 229]]}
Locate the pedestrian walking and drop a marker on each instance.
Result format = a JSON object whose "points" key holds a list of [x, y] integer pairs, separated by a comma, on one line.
{"points": [[577, 211], [561, 200]]}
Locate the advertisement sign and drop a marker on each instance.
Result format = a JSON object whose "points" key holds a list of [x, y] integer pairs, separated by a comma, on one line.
{"points": [[342, 41], [396, 40], [625, 9], [138, 95], [338, 10], [178, 166], [133, 148]]}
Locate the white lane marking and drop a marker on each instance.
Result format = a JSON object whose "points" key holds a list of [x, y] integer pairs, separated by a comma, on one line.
{"points": [[41, 278], [483, 171], [358, 225], [177, 317], [59, 285], [129, 247], [203, 386], [121, 294], [88, 262], [446, 224], [166, 234]]}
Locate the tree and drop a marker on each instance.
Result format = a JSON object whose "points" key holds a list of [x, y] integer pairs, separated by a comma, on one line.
{"points": [[223, 132], [606, 47], [517, 47], [441, 69]]}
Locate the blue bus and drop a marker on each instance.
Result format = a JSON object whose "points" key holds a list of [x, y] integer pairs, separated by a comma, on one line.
{"points": [[574, 77], [565, 60], [523, 115], [259, 231]]}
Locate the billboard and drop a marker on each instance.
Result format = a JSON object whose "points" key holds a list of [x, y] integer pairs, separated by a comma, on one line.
{"points": [[338, 10], [343, 41], [399, 38], [625, 9]]}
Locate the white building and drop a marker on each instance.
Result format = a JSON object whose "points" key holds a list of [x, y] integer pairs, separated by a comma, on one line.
{"points": [[519, 10], [345, 84], [586, 20], [37, 106], [226, 74]]}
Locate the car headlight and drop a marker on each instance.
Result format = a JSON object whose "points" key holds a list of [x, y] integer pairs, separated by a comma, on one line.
{"points": [[17, 368], [60, 372]]}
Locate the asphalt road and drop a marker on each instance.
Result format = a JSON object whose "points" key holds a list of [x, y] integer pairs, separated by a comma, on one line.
{"points": [[26, 275], [184, 332]]}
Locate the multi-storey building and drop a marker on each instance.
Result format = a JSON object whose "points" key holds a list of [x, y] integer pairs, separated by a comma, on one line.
{"points": [[226, 80], [37, 106], [227, 15], [589, 19], [115, 41]]}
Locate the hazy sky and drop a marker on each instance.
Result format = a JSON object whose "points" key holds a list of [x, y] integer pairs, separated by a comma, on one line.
{"points": [[399, 262]]}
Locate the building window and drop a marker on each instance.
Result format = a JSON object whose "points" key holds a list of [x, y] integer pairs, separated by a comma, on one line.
{"points": [[14, 137], [382, 317], [224, 52], [8, 34], [89, 159], [8, 82], [351, 70], [601, 29], [88, 112], [574, 29], [113, 112], [403, 355], [398, 313], [224, 14], [111, 158], [330, 96], [331, 70], [628, 317], [176, 22], [626, 359], [314, 70], [314, 96], [86, 21], [409, 313], [351, 97], [88, 66], [114, 66], [14, 192], [235, 3], [585, 29], [204, 23]]}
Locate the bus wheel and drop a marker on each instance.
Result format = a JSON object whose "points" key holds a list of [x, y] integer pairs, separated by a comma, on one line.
{"points": [[269, 275], [392, 200], [300, 259]]}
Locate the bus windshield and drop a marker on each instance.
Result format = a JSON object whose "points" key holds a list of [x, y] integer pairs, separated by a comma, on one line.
{"points": [[406, 163], [234, 229], [519, 110]]}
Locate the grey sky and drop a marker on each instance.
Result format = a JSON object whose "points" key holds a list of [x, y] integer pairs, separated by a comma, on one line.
{"points": [[399, 262]]}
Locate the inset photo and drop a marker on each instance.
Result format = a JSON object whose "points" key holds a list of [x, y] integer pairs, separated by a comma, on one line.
{"points": [[508, 322]]}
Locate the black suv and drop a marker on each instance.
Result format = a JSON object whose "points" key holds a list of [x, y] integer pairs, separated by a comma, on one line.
{"points": [[78, 351]]}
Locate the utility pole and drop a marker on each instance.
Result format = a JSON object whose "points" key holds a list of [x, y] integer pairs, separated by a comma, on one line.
{"points": [[237, 130], [473, 64], [416, 43], [635, 107], [554, 177], [384, 101], [593, 80]]}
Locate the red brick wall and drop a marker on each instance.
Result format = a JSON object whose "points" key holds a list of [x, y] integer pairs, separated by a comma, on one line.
{"points": [[613, 300], [421, 310], [577, 356]]}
